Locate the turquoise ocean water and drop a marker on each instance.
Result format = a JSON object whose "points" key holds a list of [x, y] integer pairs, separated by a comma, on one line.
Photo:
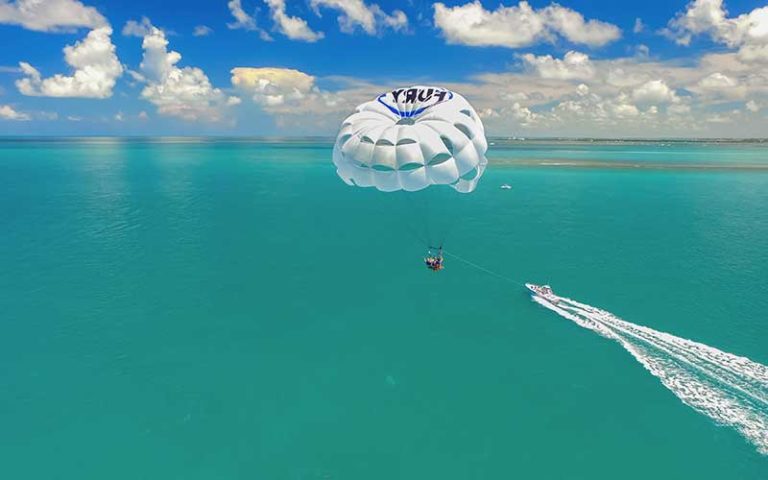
{"points": [[229, 309]]}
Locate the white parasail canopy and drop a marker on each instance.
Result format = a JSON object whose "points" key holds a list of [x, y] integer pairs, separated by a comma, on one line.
{"points": [[412, 138]]}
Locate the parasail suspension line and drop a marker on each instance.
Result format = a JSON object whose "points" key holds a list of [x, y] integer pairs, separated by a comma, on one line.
{"points": [[479, 267]]}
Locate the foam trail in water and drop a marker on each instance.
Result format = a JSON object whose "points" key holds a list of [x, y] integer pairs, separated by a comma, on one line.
{"points": [[730, 389]]}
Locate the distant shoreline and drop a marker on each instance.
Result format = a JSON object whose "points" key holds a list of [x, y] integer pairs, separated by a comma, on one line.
{"points": [[492, 141], [628, 165]]}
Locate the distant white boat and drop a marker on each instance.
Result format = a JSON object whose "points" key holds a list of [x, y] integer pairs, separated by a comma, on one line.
{"points": [[506, 186]]}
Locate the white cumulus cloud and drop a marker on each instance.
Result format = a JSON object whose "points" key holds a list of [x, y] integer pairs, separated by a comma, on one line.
{"points": [[719, 85], [703, 17], [717, 81], [273, 86], [183, 92], [519, 25], [754, 53], [95, 70], [50, 15], [654, 91], [573, 66], [748, 31], [516, 112], [471, 24], [574, 27], [587, 106]]}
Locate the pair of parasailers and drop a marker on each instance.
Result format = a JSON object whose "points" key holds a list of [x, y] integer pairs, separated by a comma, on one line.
{"points": [[434, 261]]}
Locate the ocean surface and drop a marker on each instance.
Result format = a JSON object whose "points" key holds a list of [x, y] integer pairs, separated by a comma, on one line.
{"points": [[230, 309]]}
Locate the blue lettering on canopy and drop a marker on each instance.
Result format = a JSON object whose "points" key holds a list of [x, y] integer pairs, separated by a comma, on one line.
{"points": [[440, 94]]}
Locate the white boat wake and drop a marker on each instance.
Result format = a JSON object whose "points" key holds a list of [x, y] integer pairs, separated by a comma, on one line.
{"points": [[729, 389]]}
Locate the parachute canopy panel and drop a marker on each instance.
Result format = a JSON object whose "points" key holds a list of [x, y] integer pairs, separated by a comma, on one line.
{"points": [[412, 138]]}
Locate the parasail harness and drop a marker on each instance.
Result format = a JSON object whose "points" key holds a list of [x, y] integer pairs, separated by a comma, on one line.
{"points": [[433, 261]]}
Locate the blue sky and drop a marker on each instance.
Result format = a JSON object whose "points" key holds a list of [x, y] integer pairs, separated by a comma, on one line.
{"points": [[576, 68]]}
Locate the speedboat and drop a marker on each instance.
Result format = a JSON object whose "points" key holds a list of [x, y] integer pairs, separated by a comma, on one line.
{"points": [[506, 186], [541, 290]]}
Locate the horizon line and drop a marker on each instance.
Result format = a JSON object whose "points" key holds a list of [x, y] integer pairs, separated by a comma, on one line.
{"points": [[276, 138]]}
